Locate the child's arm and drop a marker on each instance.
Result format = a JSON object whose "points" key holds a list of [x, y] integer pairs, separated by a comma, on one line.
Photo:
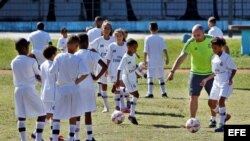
{"points": [[103, 70], [166, 54], [204, 81], [230, 82], [117, 84], [145, 59], [80, 79]]}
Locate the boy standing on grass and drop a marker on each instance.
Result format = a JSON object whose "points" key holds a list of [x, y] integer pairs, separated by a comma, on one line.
{"points": [[62, 41], [224, 69], [127, 68], [154, 47], [27, 101], [70, 71]]}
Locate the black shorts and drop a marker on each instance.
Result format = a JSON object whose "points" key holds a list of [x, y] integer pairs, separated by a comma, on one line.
{"points": [[195, 87]]}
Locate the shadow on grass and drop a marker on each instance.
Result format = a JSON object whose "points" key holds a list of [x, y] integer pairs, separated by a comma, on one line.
{"points": [[160, 114], [243, 89], [166, 126]]}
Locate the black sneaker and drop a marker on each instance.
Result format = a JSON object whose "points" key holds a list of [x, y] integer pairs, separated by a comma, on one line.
{"points": [[164, 95], [133, 120], [220, 129], [149, 96], [99, 94], [93, 139], [33, 136], [212, 124]]}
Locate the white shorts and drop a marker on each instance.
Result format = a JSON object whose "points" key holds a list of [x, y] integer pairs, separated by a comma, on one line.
{"points": [[156, 72], [68, 102], [103, 79], [39, 56], [28, 103], [49, 107], [88, 96], [130, 84], [220, 90], [113, 78]]}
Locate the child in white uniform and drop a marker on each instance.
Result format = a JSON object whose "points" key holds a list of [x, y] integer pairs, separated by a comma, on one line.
{"points": [[100, 45], [224, 69], [62, 41], [114, 56], [154, 47], [127, 68], [87, 87], [27, 101], [70, 71]]}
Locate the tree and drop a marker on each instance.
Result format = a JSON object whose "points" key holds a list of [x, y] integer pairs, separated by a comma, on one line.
{"points": [[215, 10], [51, 13], [191, 12], [130, 12], [92, 8]]}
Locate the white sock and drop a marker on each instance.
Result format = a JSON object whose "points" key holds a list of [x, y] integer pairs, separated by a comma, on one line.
{"points": [[22, 130], [213, 118], [89, 131], [133, 105], [56, 130], [122, 103], [222, 111], [150, 86], [162, 85], [77, 131], [39, 130], [117, 100], [99, 87], [105, 99], [72, 129]]}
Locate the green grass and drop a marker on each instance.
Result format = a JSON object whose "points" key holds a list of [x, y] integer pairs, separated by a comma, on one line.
{"points": [[159, 119], [7, 52]]}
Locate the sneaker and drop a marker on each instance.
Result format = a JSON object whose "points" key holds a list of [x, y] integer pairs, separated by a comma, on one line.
{"points": [[33, 136], [105, 110], [99, 94], [132, 120], [212, 124], [228, 116], [220, 129], [125, 110], [128, 104], [164, 95], [93, 139], [149, 96]]}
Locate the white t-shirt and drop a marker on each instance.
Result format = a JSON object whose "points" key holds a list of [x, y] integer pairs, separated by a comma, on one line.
{"points": [[62, 44], [48, 87], [115, 54], [94, 33], [222, 67], [154, 46], [68, 67], [39, 40], [215, 32], [24, 70], [128, 66]]}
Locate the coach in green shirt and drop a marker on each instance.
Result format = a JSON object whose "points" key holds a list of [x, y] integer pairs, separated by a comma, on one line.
{"points": [[199, 47]]}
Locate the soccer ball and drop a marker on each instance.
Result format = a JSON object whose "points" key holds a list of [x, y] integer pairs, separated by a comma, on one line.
{"points": [[117, 117], [193, 125]]}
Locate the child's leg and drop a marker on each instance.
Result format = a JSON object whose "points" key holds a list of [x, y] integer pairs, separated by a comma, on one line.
{"points": [[39, 127], [72, 128], [122, 94], [126, 96], [117, 99], [132, 109], [222, 110], [56, 129], [88, 126], [77, 131], [105, 97], [214, 106], [150, 86], [21, 128], [99, 85], [162, 85]]}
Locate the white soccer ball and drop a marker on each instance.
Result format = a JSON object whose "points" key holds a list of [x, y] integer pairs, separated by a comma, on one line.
{"points": [[117, 117], [193, 125]]}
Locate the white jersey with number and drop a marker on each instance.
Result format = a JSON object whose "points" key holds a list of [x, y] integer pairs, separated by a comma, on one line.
{"points": [[94, 33], [115, 54], [62, 44], [87, 87], [215, 32], [154, 46], [48, 87]]}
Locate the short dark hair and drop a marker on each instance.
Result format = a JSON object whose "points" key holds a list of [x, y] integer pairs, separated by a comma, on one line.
{"points": [[63, 29], [212, 20], [21, 43], [218, 41], [83, 37], [49, 51], [73, 39], [99, 19], [153, 26], [40, 26], [131, 42]]}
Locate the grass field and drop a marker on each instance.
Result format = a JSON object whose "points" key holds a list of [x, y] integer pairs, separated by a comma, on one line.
{"points": [[159, 118]]}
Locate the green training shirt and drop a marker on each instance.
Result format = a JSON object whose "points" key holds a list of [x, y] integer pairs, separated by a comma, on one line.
{"points": [[201, 55]]}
